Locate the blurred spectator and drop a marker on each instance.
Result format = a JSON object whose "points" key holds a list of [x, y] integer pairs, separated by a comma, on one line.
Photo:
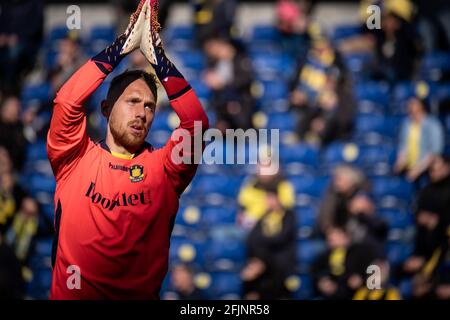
{"points": [[396, 44], [421, 139], [334, 210], [331, 117], [434, 24], [213, 18], [230, 76], [442, 291], [271, 253], [11, 194], [341, 270], [21, 32], [68, 59], [182, 280], [138, 61], [252, 197], [24, 229], [363, 225], [312, 75], [293, 20], [12, 285], [12, 130], [432, 219], [385, 292]]}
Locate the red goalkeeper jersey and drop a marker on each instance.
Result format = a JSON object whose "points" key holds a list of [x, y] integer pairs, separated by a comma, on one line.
{"points": [[113, 216]]}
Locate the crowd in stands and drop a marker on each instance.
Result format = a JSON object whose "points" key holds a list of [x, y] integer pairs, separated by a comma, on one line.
{"points": [[364, 120]]}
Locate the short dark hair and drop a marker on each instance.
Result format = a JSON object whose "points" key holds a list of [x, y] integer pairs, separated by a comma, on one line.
{"points": [[123, 80]]}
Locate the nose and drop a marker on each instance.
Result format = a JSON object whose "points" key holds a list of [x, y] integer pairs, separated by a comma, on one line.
{"points": [[140, 112]]}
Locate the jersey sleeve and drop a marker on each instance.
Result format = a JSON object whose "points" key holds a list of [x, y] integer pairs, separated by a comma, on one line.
{"points": [[193, 123], [67, 139]]}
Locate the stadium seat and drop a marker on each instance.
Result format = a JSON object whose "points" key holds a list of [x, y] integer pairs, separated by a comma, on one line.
{"points": [[226, 185], [201, 89], [107, 33], [225, 255], [434, 65], [191, 59], [40, 93], [185, 250], [304, 287], [37, 183], [396, 219], [303, 153], [223, 285], [36, 151], [392, 186], [373, 91], [179, 32], [338, 152], [266, 33], [284, 121], [273, 66], [313, 186], [398, 252], [307, 252], [375, 155], [342, 32], [306, 216]]}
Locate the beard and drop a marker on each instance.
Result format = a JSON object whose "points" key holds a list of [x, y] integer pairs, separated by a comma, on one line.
{"points": [[123, 137]]}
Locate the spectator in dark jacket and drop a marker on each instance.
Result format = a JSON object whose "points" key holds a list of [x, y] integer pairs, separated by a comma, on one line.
{"points": [[12, 286], [341, 270], [21, 31], [230, 77], [12, 130], [334, 210], [271, 253]]}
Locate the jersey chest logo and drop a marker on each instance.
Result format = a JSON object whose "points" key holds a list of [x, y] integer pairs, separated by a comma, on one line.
{"points": [[136, 173]]}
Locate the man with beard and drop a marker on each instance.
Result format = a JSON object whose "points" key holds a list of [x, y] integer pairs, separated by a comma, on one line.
{"points": [[116, 200]]}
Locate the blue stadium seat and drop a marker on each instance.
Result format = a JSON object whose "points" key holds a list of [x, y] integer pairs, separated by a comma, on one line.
{"points": [[434, 64], [57, 33], [397, 219], [398, 252], [273, 90], [392, 186], [373, 123], [179, 32], [344, 31], [379, 154], [38, 183], [191, 59], [265, 33], [107, 33], [185, 250], [284, 121], [36, 151], [339, 152], [308, 251], [272, 66], [305, 291], [357, 62], [201, 89], [373, 91], [302, 153], [161, 121], [40, 92], [226, 255], [224, 285], [313, 186], [221, 184], [306, 216]]}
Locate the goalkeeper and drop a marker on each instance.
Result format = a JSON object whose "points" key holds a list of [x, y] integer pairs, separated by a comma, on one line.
{"points": [[116, 200]]}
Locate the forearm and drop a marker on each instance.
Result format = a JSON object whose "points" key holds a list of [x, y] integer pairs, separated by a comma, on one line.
{"points": [[182, 98]]}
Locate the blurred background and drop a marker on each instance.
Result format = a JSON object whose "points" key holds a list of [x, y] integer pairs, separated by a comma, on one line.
{"points": [[364, 120]]}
